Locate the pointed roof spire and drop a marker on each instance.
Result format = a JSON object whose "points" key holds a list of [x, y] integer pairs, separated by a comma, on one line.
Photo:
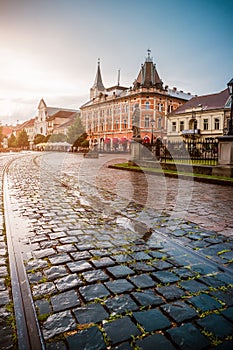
{"points": [[148, 75], [98, 84]]}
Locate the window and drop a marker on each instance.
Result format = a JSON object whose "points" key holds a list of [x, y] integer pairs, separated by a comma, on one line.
{"points": [[125, 123], [160, 107], [216, 124], [147, 122], [173, 126], [181, 125], [205, 124], [147, 105]]}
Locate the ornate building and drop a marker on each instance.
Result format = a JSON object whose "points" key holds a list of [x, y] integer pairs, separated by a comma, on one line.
{"points": [[107, 116]]}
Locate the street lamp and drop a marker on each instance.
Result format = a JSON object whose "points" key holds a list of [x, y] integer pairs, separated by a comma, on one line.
{"points": [[152, 129], [230, 89]]}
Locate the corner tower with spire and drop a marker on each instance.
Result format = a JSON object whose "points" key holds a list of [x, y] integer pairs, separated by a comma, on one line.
{"points": [[98, 86], [148, 75]]}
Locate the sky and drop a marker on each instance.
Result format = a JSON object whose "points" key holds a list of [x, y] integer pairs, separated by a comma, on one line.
{"points": [[50, 48]]}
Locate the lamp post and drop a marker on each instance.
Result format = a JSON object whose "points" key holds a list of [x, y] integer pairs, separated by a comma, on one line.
{"points": [[230, 89], [152, 130]]}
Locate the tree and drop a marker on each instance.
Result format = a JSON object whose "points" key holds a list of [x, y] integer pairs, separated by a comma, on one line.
{"points": [[75, 130], [12, 141], [81, 141], [39, 138], [22, 139]]}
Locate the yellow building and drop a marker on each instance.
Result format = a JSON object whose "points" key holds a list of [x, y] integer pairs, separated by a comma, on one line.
{"points": [[202, 116]]}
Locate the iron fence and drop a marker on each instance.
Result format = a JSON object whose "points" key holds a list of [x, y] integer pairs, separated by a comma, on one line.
{"points": [[200, 151]]}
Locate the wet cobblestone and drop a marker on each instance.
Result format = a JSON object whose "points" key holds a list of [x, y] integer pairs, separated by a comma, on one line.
{"points": [[100, 280]]}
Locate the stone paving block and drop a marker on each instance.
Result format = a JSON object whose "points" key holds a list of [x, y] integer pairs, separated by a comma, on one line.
{"points": [[228, 313], [91, 313], [204, 268], [184, 272], [44, 288], [165, 276], [179, 311], [82, 247], [79, 266], [142, 267], [95, 275], [68, 282], [224, 277], [155, 341], [120, 304], [88, 339], [58, 323], [193, 286], [44, 253], [147, 297], [3, 271], [103, 262], [80, 255], [204, 302], [68, 239], [188, 337], [161, 265], [171, 292], [121, 258], [217, 325], [56, 235], [157, 254], [119, 286], [43, 306], [2, 284], [4, 298], [55, 272], [140, 256], [211, 281], [94, 291], [225, 296], [120, 330], [65, 300], [66, 248], [120, 271], [142, 281], [60, 259], [152, 320]]}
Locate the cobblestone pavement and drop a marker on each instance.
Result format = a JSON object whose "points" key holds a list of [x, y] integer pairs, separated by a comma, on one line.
{"points": [[109, 272]]}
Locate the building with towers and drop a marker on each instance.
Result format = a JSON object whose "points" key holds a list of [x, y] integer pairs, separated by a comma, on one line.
{"points": [[107, 116]]}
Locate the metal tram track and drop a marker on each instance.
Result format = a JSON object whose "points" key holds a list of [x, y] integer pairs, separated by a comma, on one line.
{"points": [[29, 335]]}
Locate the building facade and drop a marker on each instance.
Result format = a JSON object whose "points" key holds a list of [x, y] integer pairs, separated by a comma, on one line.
{"points": [[50, 118], [107, 116], [201, 117]]}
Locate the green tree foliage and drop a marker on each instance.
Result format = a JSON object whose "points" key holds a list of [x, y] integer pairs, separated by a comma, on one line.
{"points": [[75, 130], [12, 143], [81, 141], [58, 138], [22, 139], [39, 138]]}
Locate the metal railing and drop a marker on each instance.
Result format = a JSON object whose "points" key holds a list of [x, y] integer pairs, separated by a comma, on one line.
{"points": [[191, 151]]}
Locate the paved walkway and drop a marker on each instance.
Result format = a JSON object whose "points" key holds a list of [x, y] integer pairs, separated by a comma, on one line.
{"points": [[107, 272]]}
